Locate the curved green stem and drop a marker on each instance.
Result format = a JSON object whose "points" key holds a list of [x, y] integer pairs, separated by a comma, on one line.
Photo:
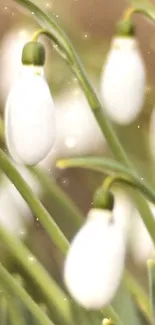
{"points": [[3, 311], [138, 293], [131, 11], [55, 296], [34, 203], [62, 40], [48, 23], [52, 37], [105, 165], [13, 288], [134, 184], [15, 312]]}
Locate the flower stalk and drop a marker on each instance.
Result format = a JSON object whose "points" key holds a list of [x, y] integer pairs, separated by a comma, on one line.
{"points": [[34, 203], [12, 287], [143, 10], [54, 295], [121, 173], [63, 42]]}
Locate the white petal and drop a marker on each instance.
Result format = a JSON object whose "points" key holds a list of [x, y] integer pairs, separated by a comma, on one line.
{"points": [[77, 129], [30, 119], [122, 212], [141, 244], [95, 261], [123, 81]]}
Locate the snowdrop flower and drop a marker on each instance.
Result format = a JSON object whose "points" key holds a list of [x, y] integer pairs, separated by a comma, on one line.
{"points": [[29, 114], [123, 80], [95, 261], [141, 244], [77, 129], [122, 212]]}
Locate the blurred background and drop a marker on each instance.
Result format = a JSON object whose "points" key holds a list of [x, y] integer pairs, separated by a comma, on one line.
{"points": [[90, 24]]}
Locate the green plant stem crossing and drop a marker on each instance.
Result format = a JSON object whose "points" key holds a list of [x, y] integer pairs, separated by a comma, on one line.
{"points": [[72, 59]]}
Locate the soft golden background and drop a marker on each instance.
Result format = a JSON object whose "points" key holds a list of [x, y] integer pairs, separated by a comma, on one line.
{"points": [[90, 24]]}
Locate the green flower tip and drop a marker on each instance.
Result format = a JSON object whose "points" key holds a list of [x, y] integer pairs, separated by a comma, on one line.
{"points": [[125, 28], [103, 199], [33, 54]]}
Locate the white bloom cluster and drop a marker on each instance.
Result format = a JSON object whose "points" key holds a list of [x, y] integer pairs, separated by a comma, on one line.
{"points": [[77, 130], [30, 131], [94, 265]]}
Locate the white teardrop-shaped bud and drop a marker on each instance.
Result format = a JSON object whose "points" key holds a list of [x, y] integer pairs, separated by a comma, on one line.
{"points": [[141, 244], [30, 117], [95, 261], [77, 129], [123, 81]]}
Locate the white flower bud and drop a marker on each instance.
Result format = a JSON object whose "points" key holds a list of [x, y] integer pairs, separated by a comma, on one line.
{"points": [[30, 117], [95, 261], [122, 212], [77, 129], [141, 245], [123, 81]]}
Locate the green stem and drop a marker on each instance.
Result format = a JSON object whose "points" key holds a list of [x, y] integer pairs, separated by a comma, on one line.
{"points": [[62, 40], [59, 196], [3, 311], [55, 296], [134, 184], [100, 165], [108, 166], [34, 203], [15, 313], [131, 11], [139, 294], [151, 278], [45, 32], [12, 287]]}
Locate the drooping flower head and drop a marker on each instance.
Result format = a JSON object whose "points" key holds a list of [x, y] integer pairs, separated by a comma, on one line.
{"points": [[123, 78], [95, 261], [29, 114]]}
